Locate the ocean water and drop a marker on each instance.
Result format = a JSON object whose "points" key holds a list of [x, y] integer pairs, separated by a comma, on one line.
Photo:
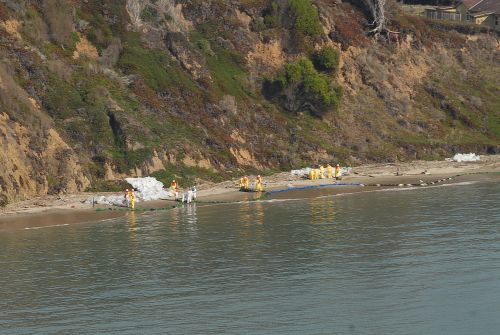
{"points": [[423, 261]]}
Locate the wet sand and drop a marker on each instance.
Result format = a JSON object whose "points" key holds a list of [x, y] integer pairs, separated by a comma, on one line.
{"points": [[71, 209]]}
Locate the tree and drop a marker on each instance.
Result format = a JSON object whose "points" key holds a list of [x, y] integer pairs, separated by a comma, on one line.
{"points": [[379, 10]]}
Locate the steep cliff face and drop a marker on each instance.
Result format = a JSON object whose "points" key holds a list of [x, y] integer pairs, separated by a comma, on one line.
{"points": [[97, 90], [34, 158]]}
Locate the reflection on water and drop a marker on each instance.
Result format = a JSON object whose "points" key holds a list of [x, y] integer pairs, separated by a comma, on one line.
{"points": [[258, 212], [322, 210], [419, 262], [132, 222]]}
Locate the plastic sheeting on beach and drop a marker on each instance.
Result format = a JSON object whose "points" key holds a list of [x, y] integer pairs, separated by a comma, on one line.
{"points": [[301, 172], [344, 171], [147, 188], [471, 157]]}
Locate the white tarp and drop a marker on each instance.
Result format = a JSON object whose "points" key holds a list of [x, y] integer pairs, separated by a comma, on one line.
{"points": [[301, 172], [472, 157], [148, 188], [344, 171]]}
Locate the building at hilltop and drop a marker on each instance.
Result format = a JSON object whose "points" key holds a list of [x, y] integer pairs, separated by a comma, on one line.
{"points": [[481, 12]]}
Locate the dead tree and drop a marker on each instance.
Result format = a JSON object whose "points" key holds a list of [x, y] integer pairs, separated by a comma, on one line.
{"points": [[378, 10]]}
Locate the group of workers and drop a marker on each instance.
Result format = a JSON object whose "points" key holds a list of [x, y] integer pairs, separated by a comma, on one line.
{"points": [[319, 173], [187, 197], [245, 184]]}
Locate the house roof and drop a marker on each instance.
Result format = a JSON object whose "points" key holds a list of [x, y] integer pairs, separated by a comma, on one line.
{"points": [[487, 6], [471, 3], [479, 14]]}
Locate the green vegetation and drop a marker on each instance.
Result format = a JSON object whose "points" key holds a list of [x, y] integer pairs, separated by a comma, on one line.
{"points": [[305, 16], [271, 15], [326, 59], [303, 87], [157, 68], [228, 73], [226, 66], [204, 45], [187, 175]]}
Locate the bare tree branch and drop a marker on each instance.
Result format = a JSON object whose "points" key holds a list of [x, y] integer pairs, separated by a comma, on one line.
{"points": [[378, 11]]}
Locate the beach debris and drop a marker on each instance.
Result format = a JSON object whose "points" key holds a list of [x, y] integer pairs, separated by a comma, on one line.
{"points": [[147, 189], [305, 172], [112, 200], [471, 157], [301, 172]]}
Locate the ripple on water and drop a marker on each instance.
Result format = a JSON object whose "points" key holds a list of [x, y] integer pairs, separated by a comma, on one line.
{"points": [[408, 262]]}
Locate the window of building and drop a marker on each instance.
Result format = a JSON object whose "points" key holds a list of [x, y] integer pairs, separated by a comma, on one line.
{"points": [[496, 21], [468, 17]]}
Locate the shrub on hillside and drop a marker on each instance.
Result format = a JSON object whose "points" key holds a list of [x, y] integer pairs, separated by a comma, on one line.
{"points": [[271, 15], [305, 17], [301, 87], [326, 59]]}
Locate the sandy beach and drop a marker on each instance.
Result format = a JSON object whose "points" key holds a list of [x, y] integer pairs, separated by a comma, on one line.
{"points": [[71, 209]]}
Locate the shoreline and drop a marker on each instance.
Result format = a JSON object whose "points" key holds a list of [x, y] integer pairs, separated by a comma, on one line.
{"points": [[70, 209]]}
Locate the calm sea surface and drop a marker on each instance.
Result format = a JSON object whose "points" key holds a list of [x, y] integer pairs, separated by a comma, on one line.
{"points": [[423, 261]]}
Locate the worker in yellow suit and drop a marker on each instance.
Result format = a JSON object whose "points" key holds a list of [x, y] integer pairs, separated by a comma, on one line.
{"points": [[313, 174], [258, 184], [321, 172], [173, 185], [242, 184], [130, 196], [246, 181], [337, 171], [329, 171]]}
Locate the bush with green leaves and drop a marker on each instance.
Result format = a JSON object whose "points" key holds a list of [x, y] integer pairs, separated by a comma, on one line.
{"points": [[326, 59], [301, 87], [271, 15], [305, 17]]}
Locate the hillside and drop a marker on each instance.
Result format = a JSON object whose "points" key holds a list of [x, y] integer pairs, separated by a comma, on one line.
{"points": [[91, 91]]}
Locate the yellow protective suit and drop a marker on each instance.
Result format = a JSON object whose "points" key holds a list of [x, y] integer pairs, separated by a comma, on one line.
{"points": [[337, 171], [131, 199], [329, 171], [258, 184]]}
